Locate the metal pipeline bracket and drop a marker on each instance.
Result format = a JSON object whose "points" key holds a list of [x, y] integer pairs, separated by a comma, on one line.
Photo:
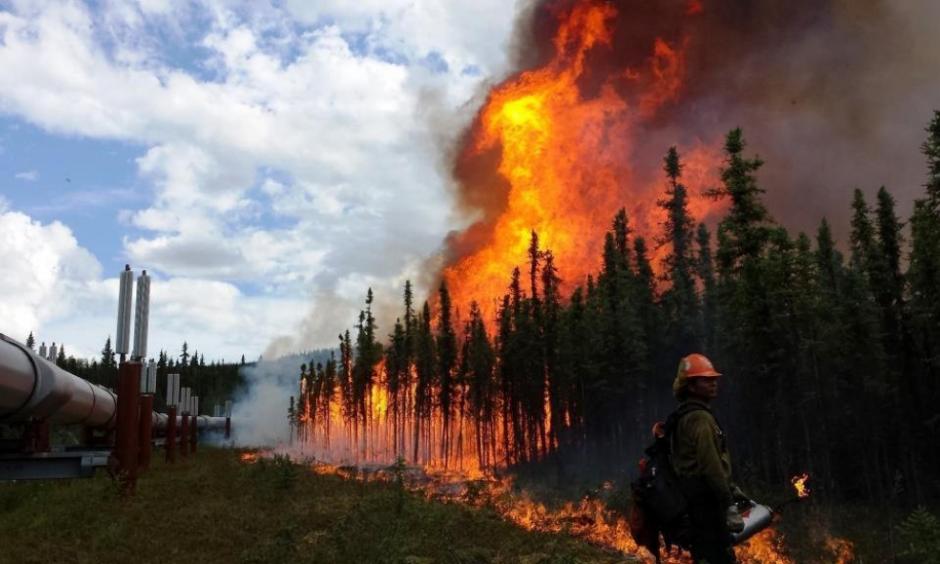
{"points": [[51, 465]]}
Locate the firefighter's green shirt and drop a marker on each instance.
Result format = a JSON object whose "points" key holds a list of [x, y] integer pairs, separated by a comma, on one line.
{"points": [[699, 449]]}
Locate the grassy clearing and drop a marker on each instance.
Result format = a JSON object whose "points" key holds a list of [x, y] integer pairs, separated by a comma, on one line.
{"points": [[216, 509]]}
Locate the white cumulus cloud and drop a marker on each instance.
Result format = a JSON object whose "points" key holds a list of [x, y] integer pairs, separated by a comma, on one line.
{"points": [[45, 273], [294, 150]]}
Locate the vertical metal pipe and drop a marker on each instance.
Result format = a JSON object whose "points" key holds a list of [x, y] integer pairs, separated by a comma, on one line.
{"points": [[228, 419], [170, 443], [128, 411], [195, 434], [142, 316], [184, 436], [146, 431], [125, 299], [173, 390]]}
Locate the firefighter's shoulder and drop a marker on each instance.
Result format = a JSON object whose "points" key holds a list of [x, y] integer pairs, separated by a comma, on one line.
{"points": [[697, 418]]}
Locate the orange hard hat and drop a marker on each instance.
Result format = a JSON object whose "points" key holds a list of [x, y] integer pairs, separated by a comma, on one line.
{"points": [[697, 366], [693, 366]]}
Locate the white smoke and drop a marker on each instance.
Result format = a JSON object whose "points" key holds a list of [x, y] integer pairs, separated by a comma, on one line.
{"points": [[260, 414]]}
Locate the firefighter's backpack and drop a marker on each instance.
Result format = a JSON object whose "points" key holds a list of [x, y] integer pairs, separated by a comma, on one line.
{"points": [[658, 502]]}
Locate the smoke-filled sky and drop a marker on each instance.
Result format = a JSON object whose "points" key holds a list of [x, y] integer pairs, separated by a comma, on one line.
{"points": [[268, 161]]}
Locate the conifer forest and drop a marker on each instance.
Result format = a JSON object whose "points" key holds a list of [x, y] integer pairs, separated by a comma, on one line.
{"points": [[830, 349]]}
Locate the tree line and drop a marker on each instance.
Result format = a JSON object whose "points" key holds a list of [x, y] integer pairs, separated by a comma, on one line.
{"points": [[831, 364], [214, 382]]}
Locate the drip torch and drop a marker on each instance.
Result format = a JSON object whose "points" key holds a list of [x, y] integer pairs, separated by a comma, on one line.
{"points": [[758, 517]]}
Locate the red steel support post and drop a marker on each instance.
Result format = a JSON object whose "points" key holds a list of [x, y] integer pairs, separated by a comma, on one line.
{"points": [[128, 432], [36, 436], [170, 443], [184, 436], [195, 434], [146, 431]]}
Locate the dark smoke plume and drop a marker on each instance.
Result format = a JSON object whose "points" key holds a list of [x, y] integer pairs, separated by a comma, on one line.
{"points": [[832, 94]]}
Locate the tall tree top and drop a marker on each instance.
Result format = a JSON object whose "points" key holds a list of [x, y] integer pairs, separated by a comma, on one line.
{"points": [[745, 226], [889, 233], [828, 259], [931, 149], [409, 306], [678, 226], [672, 166], [863, 232], [621, 233], [107, 353], [534, 256]]}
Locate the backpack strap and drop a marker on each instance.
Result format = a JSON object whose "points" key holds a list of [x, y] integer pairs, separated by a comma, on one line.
{"points": [[672, 422]]}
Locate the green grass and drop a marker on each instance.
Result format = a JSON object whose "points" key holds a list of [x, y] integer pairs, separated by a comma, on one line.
{"points": [[215, 509]]}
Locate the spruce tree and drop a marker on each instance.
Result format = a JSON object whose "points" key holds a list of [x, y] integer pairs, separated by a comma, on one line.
{"points": [[534, 258], [479, 360], [888, 282], [746, 342], [705, 271], [184, 355], [679, 299], [865, 339], [655, 355], [425, 368], [31, 341], [621, 232], [368, 355], [931, 150], [923, 277], [746, 223], [446, 342], [551, 319], [107, 355]]}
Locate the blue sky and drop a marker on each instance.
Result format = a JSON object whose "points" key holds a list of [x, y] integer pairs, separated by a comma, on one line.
{"points": [[83, 183], [266, 162]]}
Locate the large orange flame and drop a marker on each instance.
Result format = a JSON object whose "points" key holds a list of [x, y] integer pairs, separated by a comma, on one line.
{"points": [[564, 158]]}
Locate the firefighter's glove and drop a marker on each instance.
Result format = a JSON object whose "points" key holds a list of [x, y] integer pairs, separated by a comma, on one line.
{"points": [[734, 520]]}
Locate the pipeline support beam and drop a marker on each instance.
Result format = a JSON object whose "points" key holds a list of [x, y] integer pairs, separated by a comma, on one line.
{"points": [[128, 431], [146, 431]]}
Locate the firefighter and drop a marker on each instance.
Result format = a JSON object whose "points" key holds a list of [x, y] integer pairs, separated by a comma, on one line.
{"points": [[701, 461]]}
